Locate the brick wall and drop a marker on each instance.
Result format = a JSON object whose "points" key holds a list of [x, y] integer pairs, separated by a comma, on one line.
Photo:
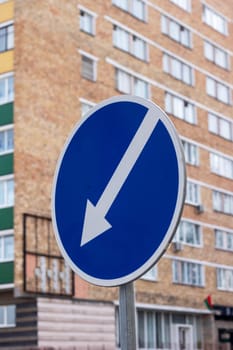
{"points": [[47, 91]]}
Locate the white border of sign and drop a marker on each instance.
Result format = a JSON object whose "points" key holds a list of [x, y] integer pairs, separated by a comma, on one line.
{"points": [[179, 204]]}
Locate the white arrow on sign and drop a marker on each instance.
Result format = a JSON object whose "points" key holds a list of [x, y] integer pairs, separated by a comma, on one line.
{"points": [[94, 221]]}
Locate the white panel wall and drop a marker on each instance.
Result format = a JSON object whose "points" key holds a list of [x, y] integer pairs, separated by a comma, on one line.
{"points": [[76, 325]]}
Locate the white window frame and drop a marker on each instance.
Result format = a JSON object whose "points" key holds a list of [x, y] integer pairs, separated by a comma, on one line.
{"points": [[221, 165], [8, 36], [211, 17], [213, 89], [128, 45], [94, 61], [153, 328], [4, 179], [184, 4], [151, 274], [178, 69], [131, 82], [8, 97], [222, 202], [186, 111], [5, 323], [181, 273], [192, 193], [216, 125], [3, 235], [222, 238], [211, 53], [178, 35], [4, 130], [88, 104], [191, 153], [224, 279], [92, 16], [188, 233], [130, 7]]}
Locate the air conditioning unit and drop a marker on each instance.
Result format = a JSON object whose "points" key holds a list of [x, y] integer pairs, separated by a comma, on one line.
{"points": [[200, 208], [177, 246]]}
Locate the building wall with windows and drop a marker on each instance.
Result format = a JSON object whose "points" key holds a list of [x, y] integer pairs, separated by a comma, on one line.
{"points": [[6, 152], [68, 56], [7, 305]]}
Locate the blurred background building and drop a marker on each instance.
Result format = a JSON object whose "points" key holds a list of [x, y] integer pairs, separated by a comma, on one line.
{"points": [[58, 59]]}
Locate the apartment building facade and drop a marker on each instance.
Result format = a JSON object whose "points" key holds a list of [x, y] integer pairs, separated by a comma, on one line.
{"points": [[57, 60]]}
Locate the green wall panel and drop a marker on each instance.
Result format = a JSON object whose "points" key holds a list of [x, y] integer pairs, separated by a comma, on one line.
{"points": [[6, 114], [7, 272], [6, 218], [6, 164]]}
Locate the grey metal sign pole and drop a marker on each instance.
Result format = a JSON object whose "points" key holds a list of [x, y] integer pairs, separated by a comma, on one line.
{"points": [[127, 317]]}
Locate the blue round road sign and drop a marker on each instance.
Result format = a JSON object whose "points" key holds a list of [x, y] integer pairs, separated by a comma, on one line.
{"points": [[118, 190]]}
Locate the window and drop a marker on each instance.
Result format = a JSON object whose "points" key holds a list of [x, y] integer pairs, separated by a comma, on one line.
{"points": [[6, 141], [123, 4], [6, 89], [184, 4], [130, 43], [151, 274], [192, 193], [189, 273], [7, 316], [129, 84], [218, 90], [88, 66], [153, 329], [136, 7], [6, 246], [6, 37], [214, 20], [176, 31], [225, 279], [180, 108], [85, 106], [221, 165], [191, 153], [6, 192], [216, 55], [224, 240], [87, 21], [188, 233], [178, 69], [220, 126], [223, 202]]}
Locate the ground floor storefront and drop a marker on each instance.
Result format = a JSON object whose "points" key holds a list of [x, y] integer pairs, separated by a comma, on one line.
{"points": [[54, 323]]}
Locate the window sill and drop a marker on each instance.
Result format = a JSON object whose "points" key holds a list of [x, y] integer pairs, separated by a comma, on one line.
{"points": [[7, 326], [86, 32]]}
